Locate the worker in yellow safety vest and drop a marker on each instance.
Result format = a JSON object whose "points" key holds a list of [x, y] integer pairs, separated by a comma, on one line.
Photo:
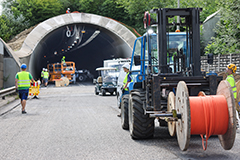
{"points": [[127, 78], [45, 77], [63, 59], [172, 51], [22, 84], [231, 68]]}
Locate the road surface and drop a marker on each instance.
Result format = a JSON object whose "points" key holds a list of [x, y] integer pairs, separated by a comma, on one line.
{"points": [[73, 123]]}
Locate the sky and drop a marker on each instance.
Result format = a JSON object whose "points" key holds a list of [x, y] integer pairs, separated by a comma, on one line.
{"points": [[0, 7]]}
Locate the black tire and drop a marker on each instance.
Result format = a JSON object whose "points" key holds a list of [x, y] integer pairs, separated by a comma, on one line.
{"points": [[141, 126], [124, 112], [103, 92], [96, 92], [81, 78]]}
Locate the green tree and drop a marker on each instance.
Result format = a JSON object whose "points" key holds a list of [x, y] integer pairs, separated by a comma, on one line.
{"points": [[74, 5], [5, 31], [136, 8], [11, 26], [36, 11], [208, 6], [227, 38], [108, 8]]}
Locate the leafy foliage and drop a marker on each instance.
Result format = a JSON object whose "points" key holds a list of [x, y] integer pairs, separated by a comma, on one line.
{"points": [[11, 26], [228, 30], [36, 11], [5, 31], [21, 14]]}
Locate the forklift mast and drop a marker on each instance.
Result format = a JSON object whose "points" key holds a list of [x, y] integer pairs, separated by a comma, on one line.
{"points": [[189, 18]]}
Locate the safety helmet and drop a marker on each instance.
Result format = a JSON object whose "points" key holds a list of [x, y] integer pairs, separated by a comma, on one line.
{"points": [[232, 67], [63, 56], [68, 8], [46, 69], [23, 66], [43, 69], [126, 65]]}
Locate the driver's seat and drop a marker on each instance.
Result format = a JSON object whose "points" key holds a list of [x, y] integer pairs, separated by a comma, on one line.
{"points": [[99, 79]]}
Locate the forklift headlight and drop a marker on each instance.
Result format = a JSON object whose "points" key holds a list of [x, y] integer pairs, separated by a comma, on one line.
{"points": [[140, 78]]}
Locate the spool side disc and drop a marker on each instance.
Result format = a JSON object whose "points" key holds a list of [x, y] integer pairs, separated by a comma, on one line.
{"points": [[183, 125], [238, 86], [238, 93], [170, 107], [227, 140], [65, 81]]}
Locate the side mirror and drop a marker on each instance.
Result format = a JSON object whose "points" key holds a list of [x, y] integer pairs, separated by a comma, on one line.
{"points": [[137, 60], [210, 58]]}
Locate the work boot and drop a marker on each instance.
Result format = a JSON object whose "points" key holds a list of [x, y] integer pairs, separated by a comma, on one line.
{"points": [[24, 112]]}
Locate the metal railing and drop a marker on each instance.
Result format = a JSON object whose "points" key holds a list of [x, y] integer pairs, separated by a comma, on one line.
{"points": [[7, 91]]}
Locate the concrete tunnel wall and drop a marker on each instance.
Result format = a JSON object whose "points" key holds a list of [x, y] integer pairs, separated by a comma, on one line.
{"points": [[92, 39]]}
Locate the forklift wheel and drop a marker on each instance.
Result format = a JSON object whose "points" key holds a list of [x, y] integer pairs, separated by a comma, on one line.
{"points": [[124, 111], [103, 92], [96, 92]]}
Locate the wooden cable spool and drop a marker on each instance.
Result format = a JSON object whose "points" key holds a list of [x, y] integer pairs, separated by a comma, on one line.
{"points": [[206, 115], [65, 81], [238, 95], [223, 74], [236, 77], [238, 86], [170, 107]]}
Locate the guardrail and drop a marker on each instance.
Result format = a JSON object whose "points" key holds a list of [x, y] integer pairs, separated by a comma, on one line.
{"points": [[7, 91]]}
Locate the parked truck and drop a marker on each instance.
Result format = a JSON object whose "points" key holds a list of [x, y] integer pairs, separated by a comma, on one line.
{"points": [[165, 69]]}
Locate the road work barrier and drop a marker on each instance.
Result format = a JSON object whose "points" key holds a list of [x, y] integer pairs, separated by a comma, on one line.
{"points": [[34, 89]]}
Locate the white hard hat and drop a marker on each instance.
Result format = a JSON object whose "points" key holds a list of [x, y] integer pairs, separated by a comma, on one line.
{"points": [[126, 65], [45, 69]]}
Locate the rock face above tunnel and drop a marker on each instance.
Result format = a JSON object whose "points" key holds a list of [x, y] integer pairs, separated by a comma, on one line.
{"points": [[51, 24], [16, 43]]}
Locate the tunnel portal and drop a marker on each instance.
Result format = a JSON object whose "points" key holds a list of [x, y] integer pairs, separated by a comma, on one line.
{"points": [[85, 44], [86, 39]]}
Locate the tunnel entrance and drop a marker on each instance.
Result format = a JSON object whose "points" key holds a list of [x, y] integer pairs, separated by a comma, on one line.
{"points": [[85, 44]]}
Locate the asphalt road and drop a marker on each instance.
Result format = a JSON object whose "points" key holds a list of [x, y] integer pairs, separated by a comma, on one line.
{"points": [[73, 123]]}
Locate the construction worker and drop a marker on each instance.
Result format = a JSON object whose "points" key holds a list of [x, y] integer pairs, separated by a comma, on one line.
{"points": [[127, 79], [68, 10], [22, 84], [231, 68], [63, 60], [45, 77]]}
